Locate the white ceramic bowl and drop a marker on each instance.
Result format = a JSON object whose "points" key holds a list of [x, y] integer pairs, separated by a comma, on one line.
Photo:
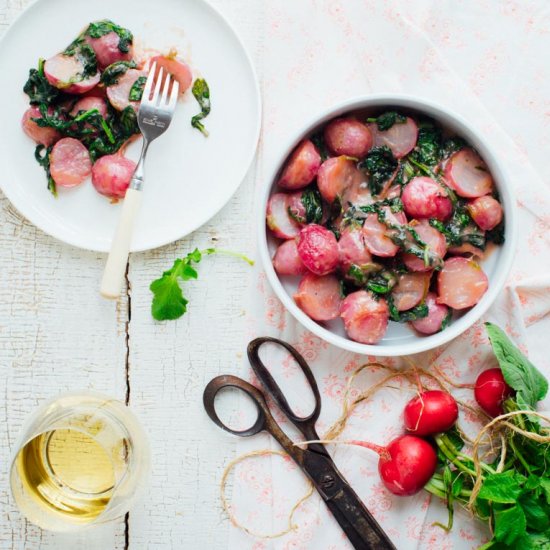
{"points": [[400, 339]]}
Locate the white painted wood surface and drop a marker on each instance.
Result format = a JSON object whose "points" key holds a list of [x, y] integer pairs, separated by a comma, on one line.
{"points": [[57, 333]]}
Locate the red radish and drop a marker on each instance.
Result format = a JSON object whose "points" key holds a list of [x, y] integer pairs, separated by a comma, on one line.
{"points": [[426, 198], [365, 317], [430, 412], [111, 175], [318, 249], [406, 464], [46, 136], [119, 93], [491, 390], [468, 175], [348, 136], [433, 322], [486, 211], [319, 297], [176, 67], [301, 167]]}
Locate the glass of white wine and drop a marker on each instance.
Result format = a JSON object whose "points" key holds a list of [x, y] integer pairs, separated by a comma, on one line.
{"points": [[80, 460]]}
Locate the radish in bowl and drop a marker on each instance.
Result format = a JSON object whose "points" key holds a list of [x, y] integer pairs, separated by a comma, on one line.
{"points": [[412, 202]]}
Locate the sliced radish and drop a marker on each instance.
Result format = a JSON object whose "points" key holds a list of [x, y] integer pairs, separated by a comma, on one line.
{"points": [[433, 322], [319, 297], [64, 72], [461, 283], [70, 162], [279, 220], [365, 318], [352, 249], [468, 175], [301, 167], [287, 260], [486, 212], [435, 241], [400, 138], [45, 135], [119, 93], [336, 175], [377, 234], [410, 290]]}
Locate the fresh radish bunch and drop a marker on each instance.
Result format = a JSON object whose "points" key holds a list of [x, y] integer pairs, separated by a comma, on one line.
{"points": [[491, 390], [430, 412], [406, 464]]}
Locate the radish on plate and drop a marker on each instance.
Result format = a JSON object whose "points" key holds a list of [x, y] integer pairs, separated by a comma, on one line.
{"points": [[348, 136], [318, 249], [111, 175], [301, 167], [320, 297]]}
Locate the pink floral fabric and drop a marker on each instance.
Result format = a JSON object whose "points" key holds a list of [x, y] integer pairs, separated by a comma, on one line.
{"points": [[484, 59]]}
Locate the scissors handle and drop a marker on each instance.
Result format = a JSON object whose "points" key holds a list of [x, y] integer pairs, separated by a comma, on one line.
{"points": [[264, 420], [356, 521], [306, 424]]}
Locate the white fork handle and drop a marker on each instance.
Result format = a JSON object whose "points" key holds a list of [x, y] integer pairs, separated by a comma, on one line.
{"points": [[111, 284]]}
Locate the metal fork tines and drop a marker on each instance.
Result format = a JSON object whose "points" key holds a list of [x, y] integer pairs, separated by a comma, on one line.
{"points": [[154, 116]]}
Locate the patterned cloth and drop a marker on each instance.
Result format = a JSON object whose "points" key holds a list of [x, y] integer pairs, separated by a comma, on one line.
{"points": [[484, 59]]}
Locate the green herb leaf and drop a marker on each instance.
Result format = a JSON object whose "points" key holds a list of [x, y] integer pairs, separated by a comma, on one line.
{"points": [[518, 371], [136, 91], [169, 302], [418, 312], [98, 29], [501, 487], [380, 165], [386, 120], [311, 199], [201, 93], [42, 156], [381, 282], [535, 515], [510, 524], [80, 49], [427, 151], [37, 87], [110, 76]]}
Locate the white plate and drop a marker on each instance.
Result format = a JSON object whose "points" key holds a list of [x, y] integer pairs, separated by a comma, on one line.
{"points": [[399, 339], [189, 178]]}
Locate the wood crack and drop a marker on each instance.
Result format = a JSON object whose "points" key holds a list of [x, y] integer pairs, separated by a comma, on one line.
{"points": [[127, 374]]}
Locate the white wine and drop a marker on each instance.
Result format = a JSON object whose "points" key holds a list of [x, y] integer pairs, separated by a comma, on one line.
{"points": [[67, 472], [80, 460]]}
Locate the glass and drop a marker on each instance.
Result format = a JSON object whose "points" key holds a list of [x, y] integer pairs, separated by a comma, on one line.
{"points": [[80, 460]]}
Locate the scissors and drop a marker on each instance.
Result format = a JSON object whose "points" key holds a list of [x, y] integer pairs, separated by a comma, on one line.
{"points": [[356, 521]]}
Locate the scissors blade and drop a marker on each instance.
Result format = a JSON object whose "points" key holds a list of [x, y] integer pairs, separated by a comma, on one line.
{"points": [[356, 521]]}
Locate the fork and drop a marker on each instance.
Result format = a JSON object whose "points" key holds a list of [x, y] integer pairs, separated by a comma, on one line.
{"points": [[154, 116]]}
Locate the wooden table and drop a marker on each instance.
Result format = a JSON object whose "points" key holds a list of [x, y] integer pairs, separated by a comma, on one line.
{"points": [[57, 334]]}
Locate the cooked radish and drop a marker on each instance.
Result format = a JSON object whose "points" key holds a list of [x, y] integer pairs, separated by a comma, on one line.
{"points": [[486, 212], [466, 249], [119, 93], [365, 317], [70, 162], [433, 322], [426, 198], [301, 167], [358, 193], [405, 465], [88, 103], [348, 136], [286, 260], [435, 241], [176, 67], [111, 175], [296, 207], [461, 283], [107, 50], [279, 220], [410, 290], [491, 390], [430, 412], [352, 249], [468, 175], [318, 249], [65, 72], [319, 297], [336, 175], [377, 235], [400, 138], [46, 136]]}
